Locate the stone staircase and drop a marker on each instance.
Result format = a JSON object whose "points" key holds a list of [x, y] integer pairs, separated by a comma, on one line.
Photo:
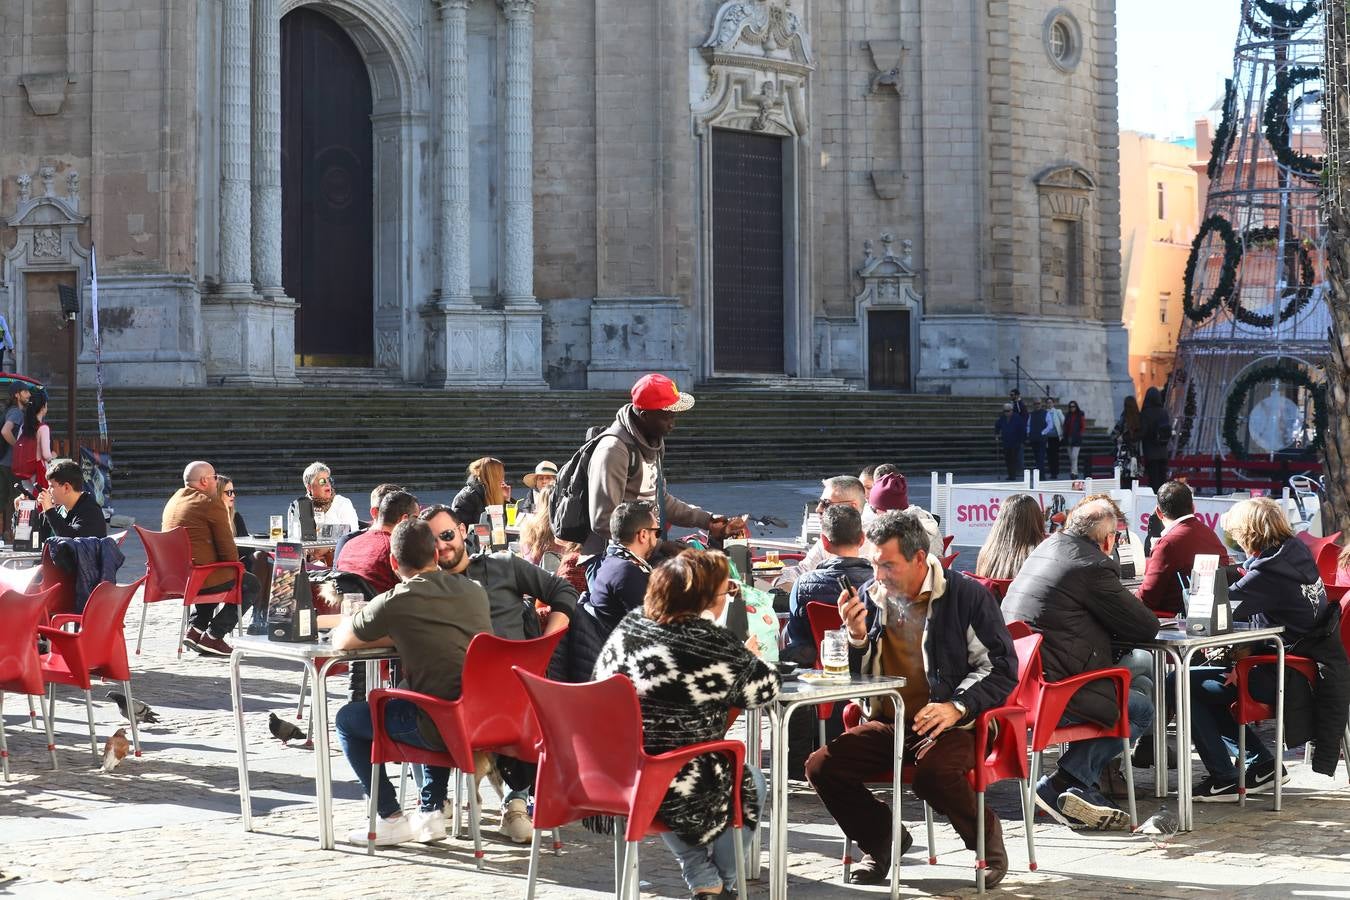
{"points": [[425, 438]]}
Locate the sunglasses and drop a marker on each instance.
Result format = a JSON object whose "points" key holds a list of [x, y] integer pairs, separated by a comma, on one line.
{"points": [[230, 492], [324, 482], [822, 503], [448, 536]]}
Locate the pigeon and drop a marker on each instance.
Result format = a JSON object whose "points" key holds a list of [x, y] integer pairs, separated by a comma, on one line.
{"points": [[771, 521], [115, 750], [1161, 827], [143, 711], [282, 730]]}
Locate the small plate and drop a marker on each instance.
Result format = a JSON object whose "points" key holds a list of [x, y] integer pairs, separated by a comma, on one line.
{"points": [[814, 677]]}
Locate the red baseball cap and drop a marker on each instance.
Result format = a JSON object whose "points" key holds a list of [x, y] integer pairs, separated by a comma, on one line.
{"points": [[659, 392]]}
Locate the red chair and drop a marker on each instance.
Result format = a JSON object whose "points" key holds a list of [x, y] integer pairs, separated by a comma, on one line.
{"points": [[1006, 758], [1247, 710], [1045, 703], [491, 714], [822, 617], [948, 560], [1020, 629], [97, 648], [171, 575], [947, 542], [593, 763], [997, 586], [20, 666]]}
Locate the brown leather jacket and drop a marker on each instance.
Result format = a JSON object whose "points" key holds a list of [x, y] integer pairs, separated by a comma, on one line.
{"points": [[209, 529]]}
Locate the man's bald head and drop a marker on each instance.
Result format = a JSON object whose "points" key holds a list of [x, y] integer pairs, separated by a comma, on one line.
{"points": [[1094, 518], [198, 472]]}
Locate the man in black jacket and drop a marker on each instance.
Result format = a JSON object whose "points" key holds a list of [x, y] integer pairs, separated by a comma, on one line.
{"points": [[1069, 590], [68, 510], [841, 534], [944, 634]]}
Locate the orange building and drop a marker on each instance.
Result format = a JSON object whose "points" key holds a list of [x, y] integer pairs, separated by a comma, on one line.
{"points": [[1159, 215]]}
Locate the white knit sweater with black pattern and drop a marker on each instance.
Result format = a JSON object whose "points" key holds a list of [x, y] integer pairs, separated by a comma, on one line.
{"points": [[689, 676]]}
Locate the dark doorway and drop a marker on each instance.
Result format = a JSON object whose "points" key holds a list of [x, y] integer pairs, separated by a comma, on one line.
{"points": [[747, 201], [43, 331], [888, 350], [326, 190]]}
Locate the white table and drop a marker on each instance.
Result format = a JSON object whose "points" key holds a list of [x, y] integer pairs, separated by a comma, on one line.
{"points": [[270, 545], [795, 695], [316, 659], [1175, 645], [14, 558]]}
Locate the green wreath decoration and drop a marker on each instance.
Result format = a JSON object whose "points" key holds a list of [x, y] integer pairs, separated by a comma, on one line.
{"points": [[1187, 423], [1276, 121], [1283, 370], [1232, 255], [1223, 136], [1298, 295], [1280, 16]]}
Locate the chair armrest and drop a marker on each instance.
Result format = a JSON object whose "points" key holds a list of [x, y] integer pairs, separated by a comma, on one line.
{"points": [[1055, 697], [1007, 757], [197, 579], [446, 715], [67, 646], [662, 768], [61, 620], [1014, 717], [1301, 664]]}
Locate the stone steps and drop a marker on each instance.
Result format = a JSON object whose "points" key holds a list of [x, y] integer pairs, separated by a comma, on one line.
{"points": [[425, 438]]}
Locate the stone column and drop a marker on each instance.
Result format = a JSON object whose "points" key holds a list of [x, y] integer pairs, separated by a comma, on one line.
{"points": [[454, 157], [518, 279], [235, 271], [267, 147]]}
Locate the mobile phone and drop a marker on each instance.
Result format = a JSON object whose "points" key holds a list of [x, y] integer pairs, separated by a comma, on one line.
{"points": [[847, 586]]}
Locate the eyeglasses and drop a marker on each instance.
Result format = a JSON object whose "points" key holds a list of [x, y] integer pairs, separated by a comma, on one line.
{"points": [[324, 482], [448, 536], [823, 503], [229, 493]]}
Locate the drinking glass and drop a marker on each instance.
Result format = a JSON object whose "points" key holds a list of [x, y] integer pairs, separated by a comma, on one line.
{"points": [[510, 514], [772, 558], [277, 529], [834, 653], [353, 603]]}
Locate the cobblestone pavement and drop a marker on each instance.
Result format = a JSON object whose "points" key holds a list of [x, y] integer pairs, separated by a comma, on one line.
{"points": [[168, 824]]}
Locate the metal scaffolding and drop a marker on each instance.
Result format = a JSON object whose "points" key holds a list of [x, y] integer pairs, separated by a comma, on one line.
{"points": [[1249, 368]]}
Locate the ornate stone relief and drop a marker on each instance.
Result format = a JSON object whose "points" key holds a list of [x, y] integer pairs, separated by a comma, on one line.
{"points": [[886, 58], [888, 279], [755, 65]]}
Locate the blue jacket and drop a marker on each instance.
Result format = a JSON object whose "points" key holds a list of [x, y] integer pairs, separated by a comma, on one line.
{"points": [[1011, 430], [967, 651], [1036, 426], [820, 585], [93, 560]]}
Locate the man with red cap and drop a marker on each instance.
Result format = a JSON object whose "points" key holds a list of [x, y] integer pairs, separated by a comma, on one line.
{"points": [[890, 491], [627, 465]]}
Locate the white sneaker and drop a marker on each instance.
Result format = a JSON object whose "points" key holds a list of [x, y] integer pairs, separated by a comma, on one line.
{"points": [[516, 822], [388, 832], [430, 826]]}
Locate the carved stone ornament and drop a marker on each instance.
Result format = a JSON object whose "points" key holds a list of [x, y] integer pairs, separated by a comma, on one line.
{"points": [[47, 242], [46, 92], [756, 62], [886, 58], [888, 279]]}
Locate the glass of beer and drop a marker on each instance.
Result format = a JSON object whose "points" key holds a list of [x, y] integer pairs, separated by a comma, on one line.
{"points": [[277, 529], [834, 653], [510, 514], [771, 558]]}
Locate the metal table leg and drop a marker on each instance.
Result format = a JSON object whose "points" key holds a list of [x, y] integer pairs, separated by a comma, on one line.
{"points": [[897, 823], [1160, 771], [1279, 722], [323, 774], [754, 755], [237, 700], [1183, 690]]}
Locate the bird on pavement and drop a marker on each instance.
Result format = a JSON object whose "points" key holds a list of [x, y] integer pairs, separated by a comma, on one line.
{"points": [[115, 750], [1161, 827], [282, 730], [143, 711]]}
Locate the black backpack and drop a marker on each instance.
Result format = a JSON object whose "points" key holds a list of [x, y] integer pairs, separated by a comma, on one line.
{"points": [[569, 507]]}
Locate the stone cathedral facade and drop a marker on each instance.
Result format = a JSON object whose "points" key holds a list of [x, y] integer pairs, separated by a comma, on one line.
{"points": [[891, 194]]}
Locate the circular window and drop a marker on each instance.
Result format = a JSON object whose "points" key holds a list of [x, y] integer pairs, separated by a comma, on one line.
{"points": [[1063, 39]]}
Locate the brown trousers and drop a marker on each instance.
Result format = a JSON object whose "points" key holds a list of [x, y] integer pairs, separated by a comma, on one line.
{"points": [[837, 771]]}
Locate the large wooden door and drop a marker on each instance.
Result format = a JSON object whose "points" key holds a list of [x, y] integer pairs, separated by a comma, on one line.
{"points": [[888, 363], [748, 278], [326, 187]]}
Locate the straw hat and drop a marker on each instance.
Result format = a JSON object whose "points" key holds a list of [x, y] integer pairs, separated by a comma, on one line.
{"points": [[544, 468]]}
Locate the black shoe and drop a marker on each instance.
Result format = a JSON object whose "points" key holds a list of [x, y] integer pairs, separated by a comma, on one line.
{"points": [[257, 629], [1212, 791], [1143, 755], [871, 870], [1261, 777]]}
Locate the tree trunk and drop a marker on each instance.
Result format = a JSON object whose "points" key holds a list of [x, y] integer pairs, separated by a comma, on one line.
{"points": [[1336, 443]]}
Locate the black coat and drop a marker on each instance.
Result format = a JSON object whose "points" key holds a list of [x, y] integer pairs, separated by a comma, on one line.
{"points": [[1282, 587], [1071, 592], [469, 504], [1318, 712]]}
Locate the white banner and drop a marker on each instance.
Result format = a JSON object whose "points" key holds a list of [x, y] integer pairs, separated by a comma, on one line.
{"points": [[974, 509]]}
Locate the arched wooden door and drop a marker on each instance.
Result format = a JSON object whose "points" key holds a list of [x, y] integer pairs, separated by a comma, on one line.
{"points": [[326, 187]]}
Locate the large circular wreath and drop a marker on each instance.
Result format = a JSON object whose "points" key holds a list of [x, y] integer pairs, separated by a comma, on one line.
{"points": [[1232, 255], [1281, 16], [1276, 121], [1280, 370], [1299, 294], [1224, 134]]}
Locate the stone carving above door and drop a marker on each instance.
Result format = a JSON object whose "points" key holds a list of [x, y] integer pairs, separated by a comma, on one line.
{"points": [[751, 73]]}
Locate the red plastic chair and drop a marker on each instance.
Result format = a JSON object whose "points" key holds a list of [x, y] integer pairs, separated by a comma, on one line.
{"points": [[20, 667], [1005, 759], [98, 648], [948, 560], [822, 617], [1247, 710], [491, 714], [1020, 629], [997, 586], [947, 542], [1045, 704], [593, 763], [171, 575]]}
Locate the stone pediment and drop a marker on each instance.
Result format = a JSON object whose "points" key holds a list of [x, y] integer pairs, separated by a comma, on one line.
{"points": [[1066, 177], [887, 265], [761, 34], [47, 209]]}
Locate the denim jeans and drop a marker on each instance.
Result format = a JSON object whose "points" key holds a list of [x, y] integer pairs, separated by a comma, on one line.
{"points": [[1140, 666], [1085, 760], [1213, 728], [712, 866], [356, 734]]}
